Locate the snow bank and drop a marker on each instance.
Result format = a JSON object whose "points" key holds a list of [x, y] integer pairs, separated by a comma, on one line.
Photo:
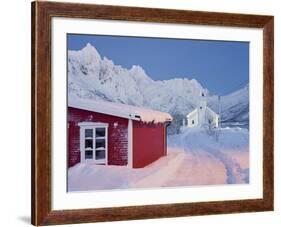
{"points": [[120, 110], [176, 169], [234, 138], [86, 176]]}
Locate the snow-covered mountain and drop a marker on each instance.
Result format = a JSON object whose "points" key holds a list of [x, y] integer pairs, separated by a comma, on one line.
{"points": [[93, 77]]}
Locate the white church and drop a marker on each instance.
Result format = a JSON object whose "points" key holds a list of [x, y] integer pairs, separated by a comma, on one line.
{"points": [[202, 116]]}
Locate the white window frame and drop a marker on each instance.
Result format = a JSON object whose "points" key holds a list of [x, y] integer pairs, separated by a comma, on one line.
{"points": [[93, 126]]}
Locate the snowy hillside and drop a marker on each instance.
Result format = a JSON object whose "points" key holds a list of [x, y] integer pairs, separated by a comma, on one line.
{"points": [[93, 77], [234, 107]]}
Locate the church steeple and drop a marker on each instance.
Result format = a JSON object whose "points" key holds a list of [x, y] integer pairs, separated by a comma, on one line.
{"points": [[202, 105]]}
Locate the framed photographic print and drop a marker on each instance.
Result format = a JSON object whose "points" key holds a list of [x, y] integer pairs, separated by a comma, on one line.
{"points": [[146, 113]]}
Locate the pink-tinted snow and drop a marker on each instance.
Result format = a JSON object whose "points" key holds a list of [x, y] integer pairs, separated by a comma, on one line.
{"points": [[194, 158], [177, 169]]}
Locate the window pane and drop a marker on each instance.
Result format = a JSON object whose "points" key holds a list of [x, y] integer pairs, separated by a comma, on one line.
{"points": [[100, 154], [89, 133], [89, 143], [100, 132], [100, 144], [89, 154]]}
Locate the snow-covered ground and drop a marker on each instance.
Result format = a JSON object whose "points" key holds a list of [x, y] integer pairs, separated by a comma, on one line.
{"points": [[195, 157]]}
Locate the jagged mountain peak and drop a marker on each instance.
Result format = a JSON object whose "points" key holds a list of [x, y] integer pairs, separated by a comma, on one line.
{"points": [[89, 49], [87, 55]]}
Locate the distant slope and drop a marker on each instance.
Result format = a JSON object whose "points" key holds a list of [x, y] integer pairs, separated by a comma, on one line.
{"points": [[234, 107]]}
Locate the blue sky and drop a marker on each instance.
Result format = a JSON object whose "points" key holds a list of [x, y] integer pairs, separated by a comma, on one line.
{"points": [[220, 66]]}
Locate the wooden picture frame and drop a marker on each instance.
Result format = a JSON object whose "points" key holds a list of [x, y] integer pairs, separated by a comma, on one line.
{"points": [[42, 13]]}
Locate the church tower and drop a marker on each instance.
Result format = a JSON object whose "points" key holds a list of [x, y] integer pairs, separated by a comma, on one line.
{"points": [[202, 106]]}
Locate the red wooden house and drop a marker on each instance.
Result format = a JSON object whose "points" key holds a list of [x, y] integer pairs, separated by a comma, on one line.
{"points": [[115, 134]]}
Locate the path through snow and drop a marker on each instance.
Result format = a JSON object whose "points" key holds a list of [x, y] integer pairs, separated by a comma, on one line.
{"points": [[194, 158]]}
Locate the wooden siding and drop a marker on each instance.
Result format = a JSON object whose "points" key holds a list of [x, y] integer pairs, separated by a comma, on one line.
{"points": [[149, 143], [117, 135]]}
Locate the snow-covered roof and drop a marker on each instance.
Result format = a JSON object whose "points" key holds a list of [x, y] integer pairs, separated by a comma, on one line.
{"points": [[207, 108], [212, 112], [120, 110], [192, 112]]}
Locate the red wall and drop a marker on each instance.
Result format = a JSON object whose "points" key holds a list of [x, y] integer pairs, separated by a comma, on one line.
{"points": [[73, 143], [149, 143], [117, 135]]}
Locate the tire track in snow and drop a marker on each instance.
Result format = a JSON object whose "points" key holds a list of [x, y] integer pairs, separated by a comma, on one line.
{"points": [[233, 169], [235, 174]]}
